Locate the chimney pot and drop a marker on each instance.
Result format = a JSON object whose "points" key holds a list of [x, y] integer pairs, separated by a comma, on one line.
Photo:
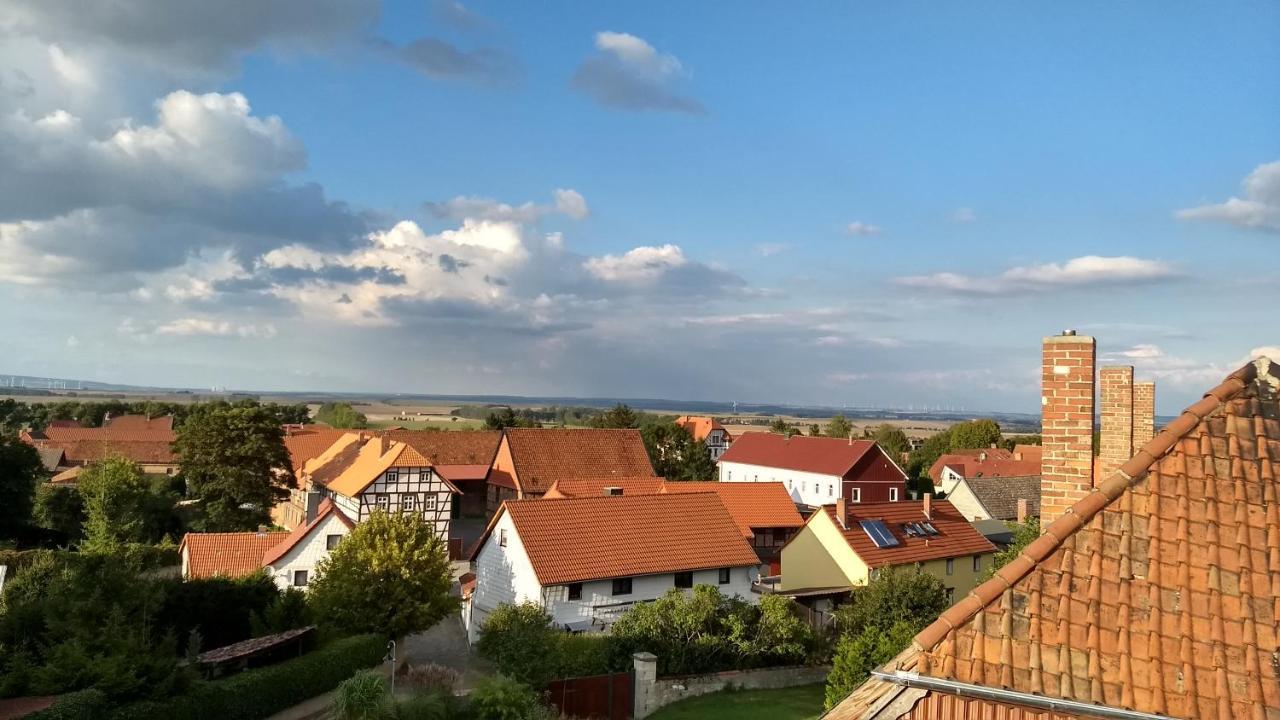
{"points": [[1068, 333]]}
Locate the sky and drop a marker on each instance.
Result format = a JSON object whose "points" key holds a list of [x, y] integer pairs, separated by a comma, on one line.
{"points": [[836, 203]]}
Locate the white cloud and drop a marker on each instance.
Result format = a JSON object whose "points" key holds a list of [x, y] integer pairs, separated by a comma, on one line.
{"points": [[1259, 209], [73, 341], [642, 264], [860, 228], [845, 378], [627, 73], [68, 69], [190, 326], [567, 202], [1141, 351], [570, 203], [770, 249], [1090, 270], [964, 215], [1267, 351]]}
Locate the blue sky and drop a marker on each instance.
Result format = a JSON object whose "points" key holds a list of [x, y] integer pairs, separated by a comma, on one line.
{"points": [[833, 203]]}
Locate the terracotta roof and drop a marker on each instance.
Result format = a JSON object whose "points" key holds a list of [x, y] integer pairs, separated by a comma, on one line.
{"points": [[139, 422], [301, 532], [451, 447], [1034, 453], [579, 539], [355, 460], [501, 478], [1159, 591], [543, 455], [460, 473], [1000, 495], [700, 426], [308, 442], [956, 536], [752, 505], [139, 441], [993, 462], [227, 554], [825, 456], [594, 486]]}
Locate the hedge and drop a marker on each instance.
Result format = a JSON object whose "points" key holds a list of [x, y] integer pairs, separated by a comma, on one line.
{"points": [[256, 694], [80, 705]]}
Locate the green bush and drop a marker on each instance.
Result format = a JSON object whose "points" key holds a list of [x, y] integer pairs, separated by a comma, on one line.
{"points": [[363, 696], [521, 642], [501, 698], [259, 693], [220, 608], [82, 705], [857, 655]]}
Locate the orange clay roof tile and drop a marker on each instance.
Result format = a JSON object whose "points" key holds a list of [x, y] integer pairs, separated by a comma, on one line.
{"points": [[595, 486], [825, 456], [543, 455], [700, 426], [226, 554], [956, 537], [578, 539], [752, 505], [1157, 592]]}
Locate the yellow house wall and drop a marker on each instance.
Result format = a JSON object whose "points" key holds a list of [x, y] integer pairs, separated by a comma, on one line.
{"points": [[820, 557]]}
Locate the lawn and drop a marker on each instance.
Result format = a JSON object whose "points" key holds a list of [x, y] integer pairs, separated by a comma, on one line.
{"points": [[797, 703]]}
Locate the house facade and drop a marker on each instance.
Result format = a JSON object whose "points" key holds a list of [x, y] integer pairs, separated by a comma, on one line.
{"points": [[293, 561], [953, 467], [816, 471], [588, 560], [995, 498], [707, 430]]}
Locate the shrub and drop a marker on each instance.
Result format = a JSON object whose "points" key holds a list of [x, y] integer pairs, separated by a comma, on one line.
{"points": [[428, 706], [221, 608], [517, 639], [363, 696], [259, 693], [896, 595], [433, 678], [81, 705], [502, 698], [857, 655]]}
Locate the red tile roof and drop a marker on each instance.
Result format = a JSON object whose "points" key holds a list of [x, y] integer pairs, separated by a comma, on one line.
{"points": [[460, 473], [138, 423], [594, 486], [700, 426], [752, 505], [451, 447], [956, 537], [579, 539], [143, 441], [307, 443], [825, 456], [226, 554], [1157, 592], [543, 455], [993, 462], [301, 532]]}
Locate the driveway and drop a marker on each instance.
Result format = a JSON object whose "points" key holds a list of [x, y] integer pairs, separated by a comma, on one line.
{"points": [[446, 644]]}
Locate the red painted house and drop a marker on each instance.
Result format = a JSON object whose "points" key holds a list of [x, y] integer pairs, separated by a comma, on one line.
{"points": [[815, 470]]}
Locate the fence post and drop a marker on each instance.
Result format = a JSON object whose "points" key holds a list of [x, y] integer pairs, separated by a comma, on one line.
{"points": [[646, 676]]}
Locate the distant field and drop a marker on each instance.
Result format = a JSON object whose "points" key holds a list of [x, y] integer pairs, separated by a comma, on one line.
{"points": [[416, 423], [913, 428]]}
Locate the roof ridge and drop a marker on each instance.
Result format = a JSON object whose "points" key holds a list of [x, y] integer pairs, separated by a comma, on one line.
{"points": [[1084, 510]]}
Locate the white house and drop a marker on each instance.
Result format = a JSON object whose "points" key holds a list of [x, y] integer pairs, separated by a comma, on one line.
{"points": [[707, 430], [587, 560], [816, 471], [360, 474], [292, 563], [996, 498]]}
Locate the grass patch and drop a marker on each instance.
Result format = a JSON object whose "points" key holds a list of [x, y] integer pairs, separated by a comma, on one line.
{"points": [[796, 703]]}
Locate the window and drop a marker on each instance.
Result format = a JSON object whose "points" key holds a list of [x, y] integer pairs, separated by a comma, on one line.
{"points": [[299, 578], [429, 502], [893, 494], [331, 541], [831, 489], [684, 579], [502, 537], [724, 576], [802, 486], [977, 563], [728, 476], [622, 586], [779, 536], [951, 566], [384, 503], [855, 495], [409, 503], [951, 596], [575, 591], [393, 476]]}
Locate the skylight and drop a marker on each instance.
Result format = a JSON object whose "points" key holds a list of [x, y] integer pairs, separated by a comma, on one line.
{"points": [[879, 533]]}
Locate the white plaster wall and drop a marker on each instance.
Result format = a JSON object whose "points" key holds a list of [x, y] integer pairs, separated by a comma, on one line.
{"points": [[306, 554], [967, 503], [948, 478], [503, 575], [805, 487], [599, 602]]}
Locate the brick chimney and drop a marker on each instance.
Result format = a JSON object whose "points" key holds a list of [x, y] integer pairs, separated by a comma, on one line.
{"points": [[1144, 413], [928, 506], [842, 513], [1067, 406], [1115, 398]]}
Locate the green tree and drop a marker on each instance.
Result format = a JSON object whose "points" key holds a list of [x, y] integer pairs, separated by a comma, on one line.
{"points": [[895, 595], [815, 430], [892, 440], [1013, 440], [20, 469], [1024, 533], [782, 427], [391, 575], [121, 505], [520, 642], [508, 418], [619, 416], [974, 434], [502, 698], [341, 415], [234, 464], [839, 427], [61, 509], [857, 655], [674, 453]]}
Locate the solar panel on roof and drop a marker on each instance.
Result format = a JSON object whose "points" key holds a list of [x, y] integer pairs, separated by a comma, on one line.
{"points": [[879, 533], [930, 529]]}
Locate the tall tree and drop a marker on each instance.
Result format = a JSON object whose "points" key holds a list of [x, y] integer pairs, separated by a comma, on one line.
{"points": [[782, 427], [975, 434], [619, 416], [61, 509], [674, 453], [815, 430], [839, 427], [121, 505], [341, 415], [20, 469], [234, 463], [892, 440], [391, 575]]}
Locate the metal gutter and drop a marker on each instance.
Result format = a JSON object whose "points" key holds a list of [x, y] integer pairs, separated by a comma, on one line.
{"points": [[910, 679]]}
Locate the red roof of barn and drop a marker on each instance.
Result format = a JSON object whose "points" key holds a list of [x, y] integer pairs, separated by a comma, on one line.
{"points": [[543, 455], [825, 456]]}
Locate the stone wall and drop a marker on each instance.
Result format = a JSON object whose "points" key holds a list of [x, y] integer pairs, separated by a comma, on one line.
{"points": [[652, 692]]}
